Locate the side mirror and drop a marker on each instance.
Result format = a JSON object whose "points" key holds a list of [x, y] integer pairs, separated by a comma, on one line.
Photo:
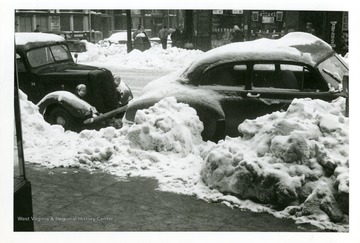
{"points": [[76, 57]]}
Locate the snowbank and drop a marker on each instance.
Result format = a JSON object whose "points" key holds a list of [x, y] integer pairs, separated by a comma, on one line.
{"points": [[155, 58], [296, 159]]}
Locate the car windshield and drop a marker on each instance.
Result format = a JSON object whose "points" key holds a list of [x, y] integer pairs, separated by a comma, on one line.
{"points": [[47, 55], [333, 71]]}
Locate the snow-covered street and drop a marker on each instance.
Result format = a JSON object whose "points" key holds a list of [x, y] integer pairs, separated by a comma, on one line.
{"points": [[297, 159]]}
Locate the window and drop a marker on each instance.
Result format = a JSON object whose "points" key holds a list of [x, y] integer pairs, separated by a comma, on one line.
{"points": [[39, 57], [60, 52], [284, 76], [20, 63], [333, 71], [255, 16], [47, 55], [227, 75], [263, 75]]}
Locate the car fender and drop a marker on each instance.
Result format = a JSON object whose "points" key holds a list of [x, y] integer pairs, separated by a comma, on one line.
{"points": [[73, 104]]}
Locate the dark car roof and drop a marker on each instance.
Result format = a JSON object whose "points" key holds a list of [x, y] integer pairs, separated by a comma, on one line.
{"points": [[293, 47], [25, 41]]}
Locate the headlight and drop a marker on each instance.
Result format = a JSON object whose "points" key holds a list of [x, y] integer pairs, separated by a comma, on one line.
{"points": [[117, 80], [81, 90]]}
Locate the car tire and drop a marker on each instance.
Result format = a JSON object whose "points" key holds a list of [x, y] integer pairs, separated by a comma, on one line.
{"points": [[214, 129], [61, 116]]}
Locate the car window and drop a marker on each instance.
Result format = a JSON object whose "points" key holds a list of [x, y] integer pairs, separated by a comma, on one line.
{"points": [[227, 75], [285, 76], [39, 57], [20, 63], [60, 52], [47, 54]]}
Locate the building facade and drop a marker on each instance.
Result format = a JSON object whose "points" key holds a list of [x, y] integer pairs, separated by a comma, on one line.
{"points": [[217, 26], [205, 29], [106, 21]]}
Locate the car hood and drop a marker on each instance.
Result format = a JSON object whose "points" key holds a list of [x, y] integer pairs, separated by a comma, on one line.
{"points": [[67, 68]]}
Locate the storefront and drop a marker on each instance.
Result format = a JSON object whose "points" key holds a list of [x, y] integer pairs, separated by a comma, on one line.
{"points": [[213, 28]]}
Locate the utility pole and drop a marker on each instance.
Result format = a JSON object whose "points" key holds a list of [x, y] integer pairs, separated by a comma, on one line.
{"points": [[128, 28], [90, 28]]}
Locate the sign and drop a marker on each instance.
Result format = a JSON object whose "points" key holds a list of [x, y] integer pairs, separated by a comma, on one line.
{"points": [[332, 34], [55, 23], [237, 11], [267, 20], [218, 11]]}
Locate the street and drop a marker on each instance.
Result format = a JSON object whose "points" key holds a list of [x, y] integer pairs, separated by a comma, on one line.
{"points": [[71, 199], [136, 79]]}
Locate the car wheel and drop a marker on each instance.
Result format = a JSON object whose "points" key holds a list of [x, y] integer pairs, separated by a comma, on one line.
{"points": [[214, 129], [60, 116]]}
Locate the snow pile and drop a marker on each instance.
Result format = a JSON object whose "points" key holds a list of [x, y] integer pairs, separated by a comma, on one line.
{"points": [[297, 160], [45, 144], [163, 143], [173, 130], [154, 58]]}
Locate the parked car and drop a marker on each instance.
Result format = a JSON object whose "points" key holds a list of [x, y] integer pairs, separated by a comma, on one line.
{"points": [[246, 80], [69, 94], [75, 41], [76, 46], [93, 36], [119, 37], [23, 205]]}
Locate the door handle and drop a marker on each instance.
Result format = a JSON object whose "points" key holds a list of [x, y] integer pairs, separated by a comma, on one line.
{"points": [[250, 95]]}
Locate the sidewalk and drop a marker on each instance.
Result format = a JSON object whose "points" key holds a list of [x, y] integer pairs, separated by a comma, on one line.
{"points": [[74, 200]]}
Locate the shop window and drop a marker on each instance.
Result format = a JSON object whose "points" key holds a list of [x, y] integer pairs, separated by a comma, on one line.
{"points": [[255, 16], [78, 23], [279, 16], [65, 22]]}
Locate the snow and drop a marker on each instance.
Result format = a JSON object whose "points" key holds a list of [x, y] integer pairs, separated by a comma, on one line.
{"points": [[120, 36], [295, 46], [154, 58], [292, 164], [24, 38]]}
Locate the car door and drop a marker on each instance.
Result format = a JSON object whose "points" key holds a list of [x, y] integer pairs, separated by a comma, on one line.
{"points": [[27, 81], [230, 81], [50, 72], [275, 85]]}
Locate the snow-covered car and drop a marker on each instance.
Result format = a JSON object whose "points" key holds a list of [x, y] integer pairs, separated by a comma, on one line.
{"points": [[116, 38], [246, 80], [69, 94], [157, 41]]}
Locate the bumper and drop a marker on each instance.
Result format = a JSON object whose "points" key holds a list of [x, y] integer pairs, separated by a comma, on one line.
{"points": [[105, 115]]}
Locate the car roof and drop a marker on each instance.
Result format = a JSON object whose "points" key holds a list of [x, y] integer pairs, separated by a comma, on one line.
{"points": [[293, 47], [28, 40]]}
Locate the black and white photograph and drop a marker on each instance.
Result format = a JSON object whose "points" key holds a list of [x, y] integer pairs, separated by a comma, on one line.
{"points": [[170, 122]]}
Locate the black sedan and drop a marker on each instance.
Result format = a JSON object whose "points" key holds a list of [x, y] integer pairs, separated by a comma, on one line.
{"points": [[246, 80]]}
